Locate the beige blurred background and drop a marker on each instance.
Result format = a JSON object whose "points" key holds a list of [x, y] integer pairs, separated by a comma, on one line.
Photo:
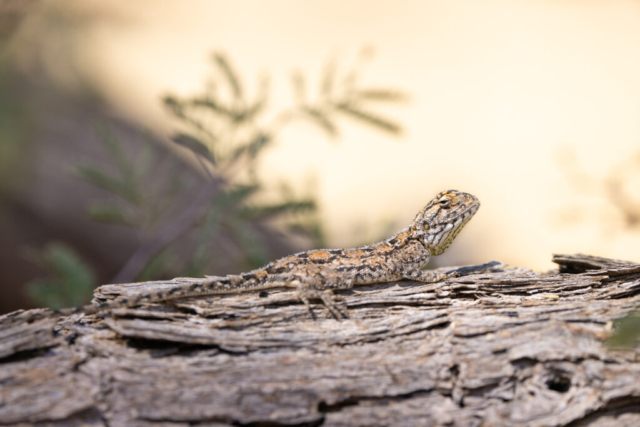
{"points": [[531, 105]]}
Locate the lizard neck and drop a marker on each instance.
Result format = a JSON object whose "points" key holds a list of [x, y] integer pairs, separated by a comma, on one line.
{"points": [[403, 237]]}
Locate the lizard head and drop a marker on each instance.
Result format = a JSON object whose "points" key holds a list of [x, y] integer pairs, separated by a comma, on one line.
{"points": [[438, 224]]}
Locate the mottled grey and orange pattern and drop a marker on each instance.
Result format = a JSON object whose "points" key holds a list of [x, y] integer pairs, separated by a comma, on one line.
{"points": [[315, 273]]}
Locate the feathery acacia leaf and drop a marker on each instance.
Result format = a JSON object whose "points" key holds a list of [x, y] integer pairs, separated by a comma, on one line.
{"points": [[256, 254], [194, 144], [229, 73], [106, 182], [320, 118], [386, 95], [369, 118], [328, 79], [237, 194], [73, 280], [212, 105], [252, 148], [299, 87], [258, 106], [174, 106], [108, 213], [179, 110], [116, 151]]}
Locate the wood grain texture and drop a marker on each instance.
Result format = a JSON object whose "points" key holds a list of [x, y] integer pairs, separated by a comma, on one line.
{"points": [[505, 347]]}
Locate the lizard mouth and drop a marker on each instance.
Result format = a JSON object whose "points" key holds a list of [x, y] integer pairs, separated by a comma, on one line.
{"points": [[471, 210], [439, 242], [465, 217]]}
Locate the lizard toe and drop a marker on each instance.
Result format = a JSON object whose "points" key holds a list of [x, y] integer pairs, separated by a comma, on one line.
{"points": [[305, 294]]}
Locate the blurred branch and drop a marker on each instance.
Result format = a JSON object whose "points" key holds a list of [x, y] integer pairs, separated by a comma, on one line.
{"points": [[170, 231]]}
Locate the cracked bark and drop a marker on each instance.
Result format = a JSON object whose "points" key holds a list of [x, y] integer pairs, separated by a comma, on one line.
{"points": [[505, 347]]}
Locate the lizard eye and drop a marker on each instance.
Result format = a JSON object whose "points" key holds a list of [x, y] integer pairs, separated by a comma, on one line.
{"points": [[444, 203], [426, 226]]}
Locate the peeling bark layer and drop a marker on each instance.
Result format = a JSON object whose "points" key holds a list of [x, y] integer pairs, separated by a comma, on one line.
{"points": [[505, 347]]}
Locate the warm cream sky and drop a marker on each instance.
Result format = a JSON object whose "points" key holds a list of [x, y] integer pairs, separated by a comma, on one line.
{"points": [[500, 90]]}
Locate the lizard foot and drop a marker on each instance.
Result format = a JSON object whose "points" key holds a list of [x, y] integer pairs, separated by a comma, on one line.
{"points": [[305, 293]]}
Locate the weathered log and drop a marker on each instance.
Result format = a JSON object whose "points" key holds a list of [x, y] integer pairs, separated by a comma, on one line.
{"points": [[505, 347]]}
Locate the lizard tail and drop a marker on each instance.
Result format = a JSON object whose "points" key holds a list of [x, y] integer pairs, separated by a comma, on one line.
{"points": [[210, 286], [86, 309]]}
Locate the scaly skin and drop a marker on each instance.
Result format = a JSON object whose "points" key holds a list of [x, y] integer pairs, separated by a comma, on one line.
{"points": [[314, 274]]}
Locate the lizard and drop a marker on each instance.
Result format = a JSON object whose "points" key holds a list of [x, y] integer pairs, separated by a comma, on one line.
{"points": [[314, 274]]}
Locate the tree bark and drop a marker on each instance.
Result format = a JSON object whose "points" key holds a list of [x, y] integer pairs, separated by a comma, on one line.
{"points": [[505, 347]]}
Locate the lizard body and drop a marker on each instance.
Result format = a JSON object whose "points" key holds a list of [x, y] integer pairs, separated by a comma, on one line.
{"points": [[315, 273]]}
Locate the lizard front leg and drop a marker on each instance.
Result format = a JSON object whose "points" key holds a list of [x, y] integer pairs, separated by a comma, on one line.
{"points": [[317, 283], [426, 276], [409, 262]]}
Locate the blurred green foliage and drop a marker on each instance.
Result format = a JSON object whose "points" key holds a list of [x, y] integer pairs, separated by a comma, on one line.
{"points": [[135, 203], [226, 131], [626, 332], [14, 129], [71, 281]]}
